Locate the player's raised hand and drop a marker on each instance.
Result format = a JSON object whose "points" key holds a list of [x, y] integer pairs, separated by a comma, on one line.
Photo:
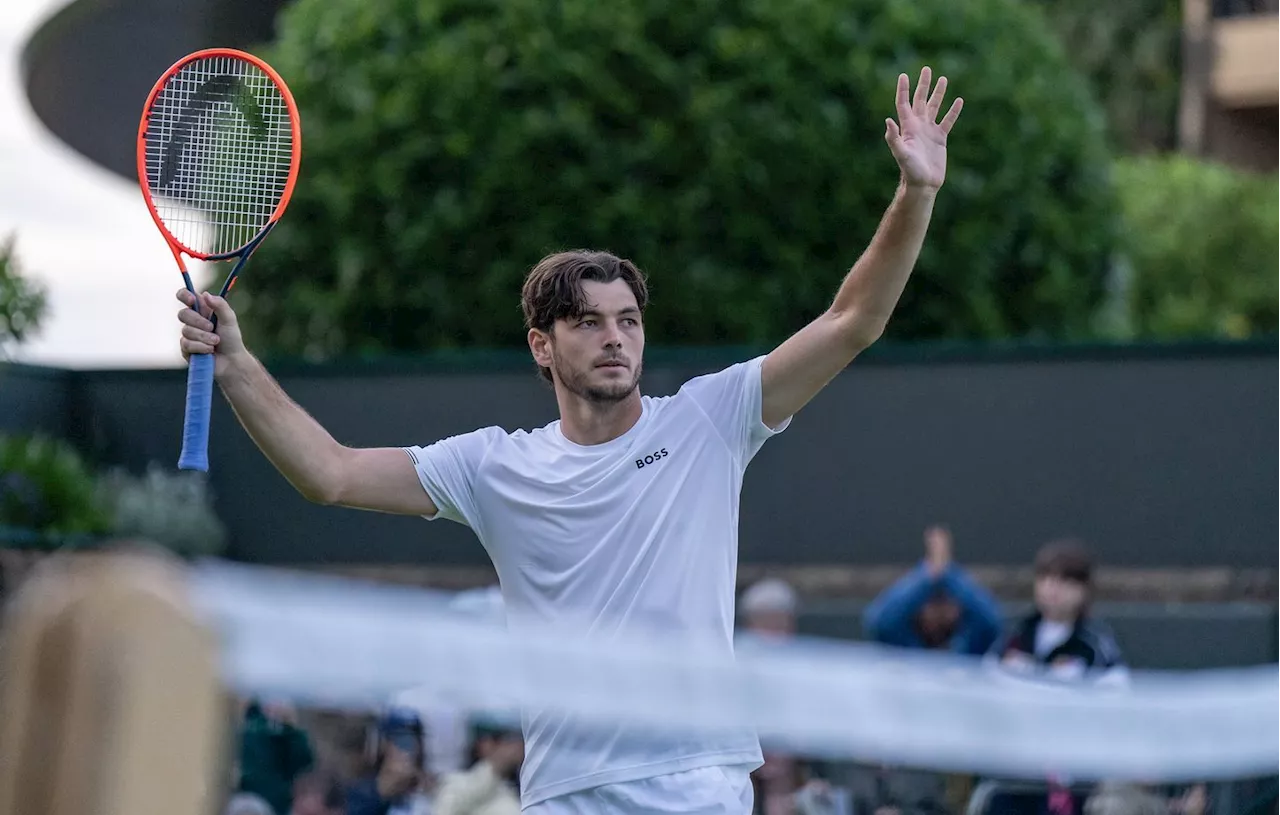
{"points": [[200, 336], [918, 140]]}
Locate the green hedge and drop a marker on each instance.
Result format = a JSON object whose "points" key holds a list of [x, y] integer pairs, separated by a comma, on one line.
{"points": [[47, 488], [51, 496], [733, 149], [1202, 245]]}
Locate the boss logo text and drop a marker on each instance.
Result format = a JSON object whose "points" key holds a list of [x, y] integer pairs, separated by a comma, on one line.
{"points": [[652, 458]]}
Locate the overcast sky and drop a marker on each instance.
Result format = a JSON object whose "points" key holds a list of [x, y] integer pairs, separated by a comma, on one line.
{"points": [[82, 231]]}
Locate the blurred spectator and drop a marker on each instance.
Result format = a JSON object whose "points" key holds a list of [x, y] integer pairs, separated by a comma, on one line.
{"points": [[902, 791], [246, 803], [937, 605], [318, 793], [395, 777], [769, 609], [1061, 642], [1132, 799], [446, 725], [1059, 639], [491, 785], [1193, 801], [273, 753], [786, 784]]}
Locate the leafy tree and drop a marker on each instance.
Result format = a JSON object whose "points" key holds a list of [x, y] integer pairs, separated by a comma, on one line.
{"points": [[1131, 53], [733, 149], [1202, 244], [22, 301]]}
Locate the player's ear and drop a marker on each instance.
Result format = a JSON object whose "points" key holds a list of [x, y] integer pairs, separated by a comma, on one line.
{"points": [[540, 347]]}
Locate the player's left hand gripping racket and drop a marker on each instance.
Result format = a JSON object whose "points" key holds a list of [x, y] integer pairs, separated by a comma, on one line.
{"points": [[218, 152]]}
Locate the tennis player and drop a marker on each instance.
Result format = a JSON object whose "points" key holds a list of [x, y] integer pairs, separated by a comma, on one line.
{"points": [[624, 512]]}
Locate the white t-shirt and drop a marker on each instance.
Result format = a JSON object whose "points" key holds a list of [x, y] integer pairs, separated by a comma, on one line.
{"points": [[636, 534]]}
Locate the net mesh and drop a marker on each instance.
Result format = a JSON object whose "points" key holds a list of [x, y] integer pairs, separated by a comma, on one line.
{"points": [[219, 147]]}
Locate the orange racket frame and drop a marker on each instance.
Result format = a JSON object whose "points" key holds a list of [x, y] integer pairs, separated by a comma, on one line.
{"points": [[175, 245]]}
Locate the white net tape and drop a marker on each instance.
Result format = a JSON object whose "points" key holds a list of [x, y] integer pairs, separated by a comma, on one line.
{"points": [[330, 642]]}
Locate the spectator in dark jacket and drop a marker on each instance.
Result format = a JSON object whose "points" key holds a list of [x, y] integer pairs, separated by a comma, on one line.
{"points": [[397, 770], [937, 605], [1060, 640], [274, 751]]}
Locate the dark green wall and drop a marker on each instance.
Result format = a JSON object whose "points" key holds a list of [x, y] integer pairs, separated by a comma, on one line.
{"points": [[1157, 457]]}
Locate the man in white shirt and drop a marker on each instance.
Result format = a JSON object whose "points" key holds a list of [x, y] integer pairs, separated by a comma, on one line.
{"points": [[624, 513]]}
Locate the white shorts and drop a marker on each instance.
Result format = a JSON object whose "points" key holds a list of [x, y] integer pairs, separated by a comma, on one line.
{"points": [[705, 791]]}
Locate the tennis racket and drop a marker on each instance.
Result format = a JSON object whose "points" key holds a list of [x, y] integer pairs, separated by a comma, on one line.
{"points": [[218, 152]]}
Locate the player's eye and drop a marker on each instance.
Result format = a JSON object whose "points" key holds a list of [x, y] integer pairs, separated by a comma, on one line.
{"points": [[588, 323]]}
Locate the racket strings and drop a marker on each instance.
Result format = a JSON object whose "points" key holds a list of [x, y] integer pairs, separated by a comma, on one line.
{"points": [[219, 151]]}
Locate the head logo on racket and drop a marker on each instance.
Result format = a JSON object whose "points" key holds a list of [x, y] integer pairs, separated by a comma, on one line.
{"points": [[219, 146]]}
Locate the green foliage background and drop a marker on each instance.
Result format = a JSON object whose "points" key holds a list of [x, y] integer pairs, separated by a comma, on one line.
{"points": [[733, 149], [46, 485], [1202, 241], [1130, 52]]}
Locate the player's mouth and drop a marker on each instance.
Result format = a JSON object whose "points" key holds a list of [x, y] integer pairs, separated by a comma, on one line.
{"points": [[611, 363]]}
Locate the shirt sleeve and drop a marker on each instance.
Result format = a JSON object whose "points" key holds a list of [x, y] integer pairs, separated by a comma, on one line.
{"points": [[731, 400], [447, 470]]}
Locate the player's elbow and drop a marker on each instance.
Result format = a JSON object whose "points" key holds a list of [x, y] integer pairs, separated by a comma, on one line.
{"points": [[327, 483], [867, 336], [322, 493], [858, 330]]}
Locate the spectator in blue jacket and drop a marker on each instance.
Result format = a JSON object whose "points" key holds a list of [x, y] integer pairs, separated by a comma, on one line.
{"points": [[397, 771], [937, 605]]}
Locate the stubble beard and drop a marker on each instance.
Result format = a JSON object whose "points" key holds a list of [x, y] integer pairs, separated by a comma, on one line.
{"points": [[578, 383]]}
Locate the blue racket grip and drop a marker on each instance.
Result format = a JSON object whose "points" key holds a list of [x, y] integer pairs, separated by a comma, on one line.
{"points": [[195, 430]]}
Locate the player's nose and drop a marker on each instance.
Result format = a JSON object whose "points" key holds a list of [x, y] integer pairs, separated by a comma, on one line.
{"points": [[612, 335]]}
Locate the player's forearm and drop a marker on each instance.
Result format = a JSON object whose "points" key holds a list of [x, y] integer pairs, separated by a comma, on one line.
{"points": [[287, 435], [870, 292]]}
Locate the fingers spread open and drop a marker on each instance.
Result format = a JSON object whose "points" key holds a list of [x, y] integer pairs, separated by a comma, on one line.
{"points": [[922, 89], [935, 99], [903, 101], [949, 120]]}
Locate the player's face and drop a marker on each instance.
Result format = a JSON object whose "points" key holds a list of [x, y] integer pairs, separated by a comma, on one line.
{"points": [[598, 356]]}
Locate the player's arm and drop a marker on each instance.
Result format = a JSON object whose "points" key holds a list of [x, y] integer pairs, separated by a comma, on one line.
{"points": [[324, 471], [803, 365]]}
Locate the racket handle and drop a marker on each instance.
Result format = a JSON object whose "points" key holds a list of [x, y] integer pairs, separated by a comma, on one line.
{"points": [[195, 430]]}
